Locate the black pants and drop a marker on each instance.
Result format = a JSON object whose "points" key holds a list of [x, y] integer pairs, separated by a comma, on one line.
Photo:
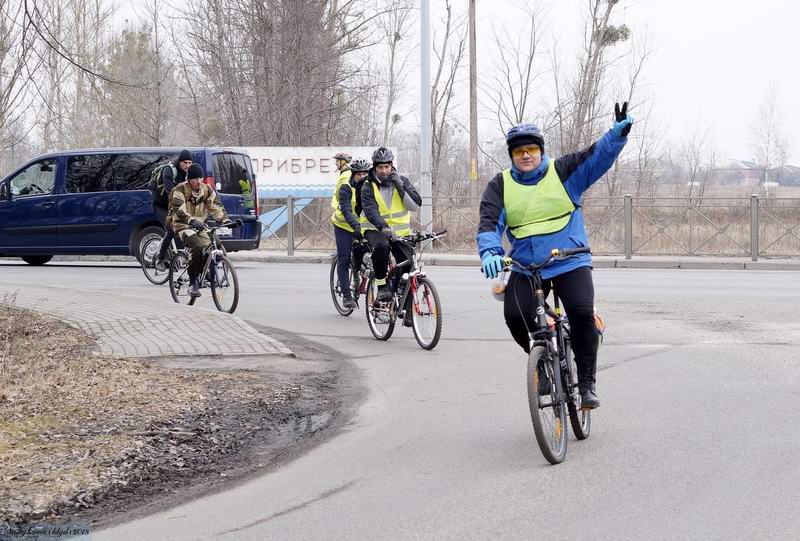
{"points": [[380, 254], [161, 214], [576, 291], [344, 247]]}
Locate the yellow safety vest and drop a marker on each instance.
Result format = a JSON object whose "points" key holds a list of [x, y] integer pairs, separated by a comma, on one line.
{"points": [[337, 218], [398, 217], [538, 209]]}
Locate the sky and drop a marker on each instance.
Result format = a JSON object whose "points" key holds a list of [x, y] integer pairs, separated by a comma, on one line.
{"points": [[712, 66]]}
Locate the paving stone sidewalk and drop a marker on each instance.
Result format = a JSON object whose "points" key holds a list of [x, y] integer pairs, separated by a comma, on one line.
{"points": [[132, 327]]}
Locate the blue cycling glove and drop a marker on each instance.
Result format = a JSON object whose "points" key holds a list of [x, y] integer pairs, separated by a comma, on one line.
{"points": [[623, 120], [492, 264]]}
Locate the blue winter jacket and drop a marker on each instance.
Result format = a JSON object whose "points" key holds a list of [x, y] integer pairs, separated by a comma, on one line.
{"points": [[578, 171]]}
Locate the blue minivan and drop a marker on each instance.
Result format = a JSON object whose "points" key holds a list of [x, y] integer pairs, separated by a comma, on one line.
{"points": [[97, 202]]}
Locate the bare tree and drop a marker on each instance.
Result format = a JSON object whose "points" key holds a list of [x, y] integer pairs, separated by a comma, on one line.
{"points": [[693, 163], [16, 52], [509, 94], [599, 36], [768, 141], [395, 25], [449, 55]]}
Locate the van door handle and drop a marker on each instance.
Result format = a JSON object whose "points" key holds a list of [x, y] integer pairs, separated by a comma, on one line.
{"points": [[47, 204]]}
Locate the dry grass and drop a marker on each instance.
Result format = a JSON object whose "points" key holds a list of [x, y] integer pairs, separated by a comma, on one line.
{"points": [[70, 422]]}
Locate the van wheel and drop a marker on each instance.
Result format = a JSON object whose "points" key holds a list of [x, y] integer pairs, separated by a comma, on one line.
{"points": [[141, 236], [36, 260]]}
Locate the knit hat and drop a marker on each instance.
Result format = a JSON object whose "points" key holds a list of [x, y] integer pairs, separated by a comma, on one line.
{"points": [[185, 155], [195, 171]]}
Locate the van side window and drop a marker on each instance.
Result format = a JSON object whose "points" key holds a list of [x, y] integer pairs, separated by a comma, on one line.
{"points": [[111, 172], [90, 173], [36, 179], [233, 172]]}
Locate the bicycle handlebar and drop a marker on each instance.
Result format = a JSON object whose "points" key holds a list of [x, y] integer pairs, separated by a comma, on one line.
{"points": [[556, 254]]}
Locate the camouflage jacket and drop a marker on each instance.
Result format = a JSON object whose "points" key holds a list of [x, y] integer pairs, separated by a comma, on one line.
{"points": [[184, 204]]}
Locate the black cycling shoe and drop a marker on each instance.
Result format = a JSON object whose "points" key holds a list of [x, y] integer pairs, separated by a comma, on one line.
{"points": [[384, 293], [589, 398], [349, 303], [194, 288]]}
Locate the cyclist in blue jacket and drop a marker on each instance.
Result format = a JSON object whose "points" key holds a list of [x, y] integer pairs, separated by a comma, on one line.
{"points": [[537, 203]]}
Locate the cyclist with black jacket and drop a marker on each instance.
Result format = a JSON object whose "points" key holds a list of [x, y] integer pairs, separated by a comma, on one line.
{"points": [[347, 204], [171, 175], [387, 199]]}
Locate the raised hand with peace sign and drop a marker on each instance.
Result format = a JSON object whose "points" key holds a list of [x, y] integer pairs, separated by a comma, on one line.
{"points": [[623, 121]]}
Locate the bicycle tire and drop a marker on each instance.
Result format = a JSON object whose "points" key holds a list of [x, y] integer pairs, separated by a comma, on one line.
{"points": [[336, 290], [179, 279], [579, 418], [550, 435], [419, 315], [222, 281], [381, 331], [148, 252]]}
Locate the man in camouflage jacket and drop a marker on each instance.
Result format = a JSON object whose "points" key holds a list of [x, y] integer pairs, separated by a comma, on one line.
{"points": [[190, 204]]}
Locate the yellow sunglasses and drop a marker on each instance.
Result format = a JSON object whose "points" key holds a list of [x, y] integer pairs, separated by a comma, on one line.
{"points": [[532, 150]]}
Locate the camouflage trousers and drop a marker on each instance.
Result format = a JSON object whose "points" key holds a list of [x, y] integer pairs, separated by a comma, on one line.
{"points": [[195, 242]]}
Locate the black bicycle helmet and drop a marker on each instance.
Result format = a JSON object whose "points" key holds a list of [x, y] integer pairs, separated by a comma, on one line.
{"points": [[359, 165], [382, 155], [524, 134]]}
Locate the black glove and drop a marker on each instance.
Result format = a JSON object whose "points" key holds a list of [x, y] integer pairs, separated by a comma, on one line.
{"points": [[394, 176], [197, 224], [357, 233], [623, 121], [390, 235]]}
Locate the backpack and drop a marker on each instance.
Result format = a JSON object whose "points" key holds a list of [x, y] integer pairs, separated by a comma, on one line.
{"points": [[156, 184]]}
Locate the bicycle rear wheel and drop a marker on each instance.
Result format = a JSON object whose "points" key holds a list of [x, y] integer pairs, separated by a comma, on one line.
{"points": [[426, 315], [148, 252], [224, 285], [179, 279], [548, 412], [381, 317], [336, 290], [579, 418]]}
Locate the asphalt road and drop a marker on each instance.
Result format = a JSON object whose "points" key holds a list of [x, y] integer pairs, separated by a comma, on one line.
{"points": [[698, 378]]}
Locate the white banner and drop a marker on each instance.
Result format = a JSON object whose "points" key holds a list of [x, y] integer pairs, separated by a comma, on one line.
{"points": [[299, 166]]}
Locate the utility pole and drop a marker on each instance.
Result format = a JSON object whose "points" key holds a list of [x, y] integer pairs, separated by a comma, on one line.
{"points": [[473, 98], [426, 213]]}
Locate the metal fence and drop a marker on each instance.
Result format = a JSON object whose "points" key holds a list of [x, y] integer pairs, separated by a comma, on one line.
{"points": [[659, 226]]}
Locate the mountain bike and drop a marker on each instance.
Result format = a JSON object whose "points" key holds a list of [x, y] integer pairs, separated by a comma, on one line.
{"points": [[426, 309], [360, 266], [218, 273], [148, 254], [551, 357]]}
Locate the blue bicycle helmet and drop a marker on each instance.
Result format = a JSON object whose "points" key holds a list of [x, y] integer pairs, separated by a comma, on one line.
{"points": [[524, 134]]}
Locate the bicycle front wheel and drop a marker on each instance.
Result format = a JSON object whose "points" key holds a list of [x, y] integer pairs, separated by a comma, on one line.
{"points": [[224, 285], [380, 316], [336, 290], [179, 282], [426, 315], [548, 411], [148, 253]]}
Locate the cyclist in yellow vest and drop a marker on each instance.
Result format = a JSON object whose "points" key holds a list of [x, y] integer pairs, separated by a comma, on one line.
{"points": [[536, 202], [346, 226], [387, 200]]}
